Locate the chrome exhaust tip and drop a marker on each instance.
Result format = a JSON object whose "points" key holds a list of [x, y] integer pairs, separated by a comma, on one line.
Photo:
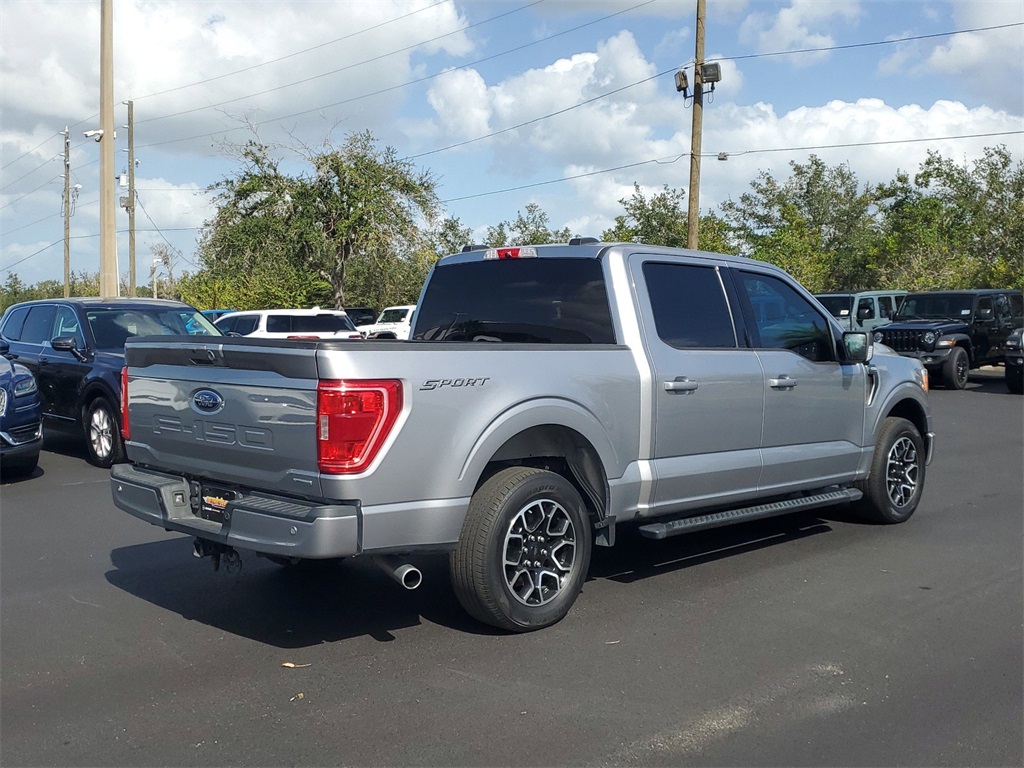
{"points": [[407, 575]]}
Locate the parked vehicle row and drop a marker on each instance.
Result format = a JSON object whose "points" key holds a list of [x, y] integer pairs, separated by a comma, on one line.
{"points": [[313, 323], [75, 350]]}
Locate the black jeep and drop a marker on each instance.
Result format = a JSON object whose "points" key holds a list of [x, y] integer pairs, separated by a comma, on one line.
{"points": [[954, 331]]}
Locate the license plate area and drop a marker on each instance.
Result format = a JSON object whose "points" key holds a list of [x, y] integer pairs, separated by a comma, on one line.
{"points": [[213, 502]]}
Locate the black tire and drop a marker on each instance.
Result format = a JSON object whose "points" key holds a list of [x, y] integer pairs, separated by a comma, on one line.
{"points": [[956, 369], [21, 467], [894, 487], [103, 433], [1014, 381], [516, 516]]}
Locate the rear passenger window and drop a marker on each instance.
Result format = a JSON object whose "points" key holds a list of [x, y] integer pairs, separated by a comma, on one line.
{"points": [[39, 324], [246, 325], [794, 324], [14, 323], [279, 324], [689, 306]]}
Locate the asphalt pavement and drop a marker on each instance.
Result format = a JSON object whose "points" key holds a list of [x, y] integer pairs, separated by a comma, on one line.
{"points": [[810, 640]]}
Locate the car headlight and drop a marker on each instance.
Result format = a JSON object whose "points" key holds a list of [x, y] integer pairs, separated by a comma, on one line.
{"points": [[878, 336], [24, 387], [929, 337]]}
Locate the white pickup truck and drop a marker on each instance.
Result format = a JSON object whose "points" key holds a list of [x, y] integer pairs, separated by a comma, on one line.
{"points": [[548, 395]]}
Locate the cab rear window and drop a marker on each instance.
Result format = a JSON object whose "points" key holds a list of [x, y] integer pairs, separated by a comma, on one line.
{"points": [[531, 301]]}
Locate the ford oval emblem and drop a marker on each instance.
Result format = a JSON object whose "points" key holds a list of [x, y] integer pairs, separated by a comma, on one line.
{"points": [[207, 401]]}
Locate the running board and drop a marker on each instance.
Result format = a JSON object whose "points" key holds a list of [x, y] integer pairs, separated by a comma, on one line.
{"points": [[716, 519]]}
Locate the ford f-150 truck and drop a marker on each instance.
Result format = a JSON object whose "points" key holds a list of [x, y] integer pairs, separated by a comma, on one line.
{"points": [[548, 395]]}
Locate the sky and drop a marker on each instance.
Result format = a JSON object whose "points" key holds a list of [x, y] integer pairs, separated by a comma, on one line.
{"points": [[562, 103]]}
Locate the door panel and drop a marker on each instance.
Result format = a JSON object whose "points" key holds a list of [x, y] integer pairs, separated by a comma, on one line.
{"points": [[709, 397], [813, 405]]}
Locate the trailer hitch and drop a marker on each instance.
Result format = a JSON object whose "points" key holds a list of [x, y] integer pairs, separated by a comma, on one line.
{"points": [[216, 551]]}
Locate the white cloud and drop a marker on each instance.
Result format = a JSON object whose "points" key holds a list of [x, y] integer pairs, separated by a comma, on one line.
{"points": [[798, 26]]}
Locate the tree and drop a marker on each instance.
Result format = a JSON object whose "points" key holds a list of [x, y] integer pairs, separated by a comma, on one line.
{"points": [[359, 204], [662, 220], [829, 221], [530, 228], [957, 226]]}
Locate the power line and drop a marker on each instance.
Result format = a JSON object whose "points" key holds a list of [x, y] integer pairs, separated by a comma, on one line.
{"points": [[672, 159], [12, 202], [343, 69], [294, 54], [170, 245], [26, 154], [418, 80]]}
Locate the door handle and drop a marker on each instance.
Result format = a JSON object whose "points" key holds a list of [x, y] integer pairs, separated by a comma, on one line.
{"points": [[783, 382], [681, 384]]}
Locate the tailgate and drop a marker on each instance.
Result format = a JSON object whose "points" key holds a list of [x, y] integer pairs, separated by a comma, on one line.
{"points": [[239, 411]]}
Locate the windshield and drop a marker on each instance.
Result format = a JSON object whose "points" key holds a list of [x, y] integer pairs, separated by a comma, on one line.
{"points": [[838, 306], [393, 315], [935, 305], [112, 327]]}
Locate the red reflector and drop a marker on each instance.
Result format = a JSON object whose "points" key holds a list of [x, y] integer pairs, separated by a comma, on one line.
{"points": [[508, 253], [353, 419], [125, 430]]}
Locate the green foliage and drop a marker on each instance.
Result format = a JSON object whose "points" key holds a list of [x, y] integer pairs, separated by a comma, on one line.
{"points": [[819, 213], [663, 219], [360, 226], [530, 228], [956, 226]]}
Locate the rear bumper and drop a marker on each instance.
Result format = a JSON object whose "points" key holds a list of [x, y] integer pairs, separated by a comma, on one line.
{"points": [[255, 521]]}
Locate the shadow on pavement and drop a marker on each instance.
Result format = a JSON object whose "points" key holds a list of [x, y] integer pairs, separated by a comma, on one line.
{"points": [[288, 606]]}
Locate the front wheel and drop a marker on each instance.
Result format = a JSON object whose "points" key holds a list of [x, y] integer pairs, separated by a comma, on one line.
{"points": [[524, 550], [956, 368], [1014, 380], [103, 434], [894, 487]]}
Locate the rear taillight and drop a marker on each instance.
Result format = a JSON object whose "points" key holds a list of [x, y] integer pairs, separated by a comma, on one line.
{"points": [[353, 419], [125, 431]]}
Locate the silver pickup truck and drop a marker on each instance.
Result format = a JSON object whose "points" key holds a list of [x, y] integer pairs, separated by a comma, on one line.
{"points": [[548, 395]]}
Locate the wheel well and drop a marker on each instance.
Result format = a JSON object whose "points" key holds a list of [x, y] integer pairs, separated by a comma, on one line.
{"points": [[95, 393], [563, 451], [912, 411]]}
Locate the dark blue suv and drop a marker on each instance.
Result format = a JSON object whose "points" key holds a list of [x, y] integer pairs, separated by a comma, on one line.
{"points": [[75, 348], [21, 431]]}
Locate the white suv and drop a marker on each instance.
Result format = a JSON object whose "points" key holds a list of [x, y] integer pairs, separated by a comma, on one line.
{"points": [[313, 323], [393, 323]]}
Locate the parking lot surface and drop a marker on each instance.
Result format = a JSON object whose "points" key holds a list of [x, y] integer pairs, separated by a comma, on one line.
{"points": [[807, 640]]}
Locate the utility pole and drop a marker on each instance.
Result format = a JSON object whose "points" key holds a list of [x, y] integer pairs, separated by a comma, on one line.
{"points": [[108, 230], [695, 134], [130, 201], [67, 212]]}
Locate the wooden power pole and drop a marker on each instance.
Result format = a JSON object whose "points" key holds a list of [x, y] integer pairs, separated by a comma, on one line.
{"points": [[130, 202], [695, 134], [108, 229], [67, 212]]}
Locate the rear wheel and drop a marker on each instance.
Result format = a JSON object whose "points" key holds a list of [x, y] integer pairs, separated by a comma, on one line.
{"points": [[956, 368], [103, 434], [894, 487], [524, 550]]}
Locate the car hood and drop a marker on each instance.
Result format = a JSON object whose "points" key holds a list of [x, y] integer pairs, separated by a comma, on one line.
{"points": [[938, 326]]}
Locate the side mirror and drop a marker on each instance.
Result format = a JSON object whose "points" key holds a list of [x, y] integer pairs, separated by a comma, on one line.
{"points": [[865, 313], [857, 347], [5, 348], [67, 344], [984, 314]]}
